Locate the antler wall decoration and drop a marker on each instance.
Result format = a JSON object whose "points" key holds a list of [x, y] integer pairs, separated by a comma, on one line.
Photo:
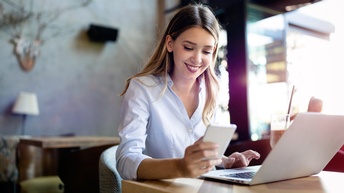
{"points": [[15, 18]]}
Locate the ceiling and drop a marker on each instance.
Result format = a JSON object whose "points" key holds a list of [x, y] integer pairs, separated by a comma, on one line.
{"points": [[257, 9], [281, 6], [273, 6], [260, 9]]}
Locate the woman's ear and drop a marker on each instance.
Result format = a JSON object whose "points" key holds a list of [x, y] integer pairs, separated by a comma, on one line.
{"points": [[169, 43]]}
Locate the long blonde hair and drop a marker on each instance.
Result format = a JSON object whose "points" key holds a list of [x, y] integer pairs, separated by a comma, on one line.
{"points": [[161, 62]]}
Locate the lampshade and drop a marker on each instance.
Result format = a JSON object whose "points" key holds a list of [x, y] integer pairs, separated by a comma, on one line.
{"points": [[26, 104]]}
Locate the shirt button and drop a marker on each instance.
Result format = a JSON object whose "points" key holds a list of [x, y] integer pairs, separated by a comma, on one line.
{"points": [[190, 130]]}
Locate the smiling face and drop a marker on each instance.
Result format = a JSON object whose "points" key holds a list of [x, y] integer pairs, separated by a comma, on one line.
{"points": [[192, 53]]}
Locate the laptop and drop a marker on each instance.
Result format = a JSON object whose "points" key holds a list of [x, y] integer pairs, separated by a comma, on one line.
{"points": [[304, 150]]}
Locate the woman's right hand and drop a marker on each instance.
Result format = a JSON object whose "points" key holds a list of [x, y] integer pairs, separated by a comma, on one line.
{"points": [[195, 162]]}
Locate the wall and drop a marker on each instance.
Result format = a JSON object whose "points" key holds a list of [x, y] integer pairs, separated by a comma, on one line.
{"points": [[78, 82]]}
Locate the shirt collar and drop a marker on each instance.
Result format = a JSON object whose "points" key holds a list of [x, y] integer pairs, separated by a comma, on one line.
{"points": [[170, 82]]}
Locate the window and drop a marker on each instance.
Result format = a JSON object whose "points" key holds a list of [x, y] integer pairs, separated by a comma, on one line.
{"points": [[286, 50]]}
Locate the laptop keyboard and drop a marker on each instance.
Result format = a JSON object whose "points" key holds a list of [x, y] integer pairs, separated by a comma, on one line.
{"points": [[244, 175]]}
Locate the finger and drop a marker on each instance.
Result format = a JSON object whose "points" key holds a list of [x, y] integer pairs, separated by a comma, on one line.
{"points": [[250, 154], [202, 150], [245, 158], [201, 145], [199, 140], [209, 163], [196, 158], [228, 162], [240, 160]]}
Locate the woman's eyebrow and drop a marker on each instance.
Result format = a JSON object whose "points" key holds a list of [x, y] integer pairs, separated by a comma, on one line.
{"points": [[192, 43], [189, 42]]}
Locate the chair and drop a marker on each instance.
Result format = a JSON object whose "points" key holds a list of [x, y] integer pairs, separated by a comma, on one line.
{"points": [[79, 169], [336, 163], [8, 164], [109, 178], [11, 156], [315, 105]]}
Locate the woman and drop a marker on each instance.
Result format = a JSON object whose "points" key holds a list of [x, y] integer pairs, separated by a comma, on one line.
{"points": [[168, 105]]}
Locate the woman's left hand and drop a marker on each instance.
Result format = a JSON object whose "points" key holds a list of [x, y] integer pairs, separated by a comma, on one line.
{"points": [[236, 160]]}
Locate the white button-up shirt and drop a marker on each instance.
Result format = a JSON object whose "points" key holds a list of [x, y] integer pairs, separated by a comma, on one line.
{"points": [[155, 124]]}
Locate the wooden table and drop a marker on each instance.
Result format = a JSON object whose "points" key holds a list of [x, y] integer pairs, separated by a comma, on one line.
{"points": [[69, 142], [74, 159], [324, 182], [42, 156]]}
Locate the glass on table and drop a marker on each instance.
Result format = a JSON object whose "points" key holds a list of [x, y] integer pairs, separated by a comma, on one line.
{"points": [[279, 124]]}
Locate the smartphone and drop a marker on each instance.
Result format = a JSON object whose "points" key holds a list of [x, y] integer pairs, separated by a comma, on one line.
{"points": [[220, 134]]}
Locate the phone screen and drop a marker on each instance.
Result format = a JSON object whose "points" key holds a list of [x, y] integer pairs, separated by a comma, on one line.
{"points": [[220, 134]]}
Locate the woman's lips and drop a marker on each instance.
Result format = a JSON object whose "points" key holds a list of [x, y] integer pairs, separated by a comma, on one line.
{"points": [[192, 68]]}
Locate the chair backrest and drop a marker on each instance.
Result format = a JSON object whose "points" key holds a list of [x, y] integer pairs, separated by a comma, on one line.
{"points": [[315, 105], [8, 151], [109, 178], [8, 163]]}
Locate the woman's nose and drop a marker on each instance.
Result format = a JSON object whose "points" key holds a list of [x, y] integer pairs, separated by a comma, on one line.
{"points": [[197, 58]]}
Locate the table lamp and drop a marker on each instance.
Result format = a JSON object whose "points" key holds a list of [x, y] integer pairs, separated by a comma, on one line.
{"points": [[26, 104]]}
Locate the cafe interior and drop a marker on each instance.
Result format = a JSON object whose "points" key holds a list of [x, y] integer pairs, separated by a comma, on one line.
{"points": [[64, 64]]}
